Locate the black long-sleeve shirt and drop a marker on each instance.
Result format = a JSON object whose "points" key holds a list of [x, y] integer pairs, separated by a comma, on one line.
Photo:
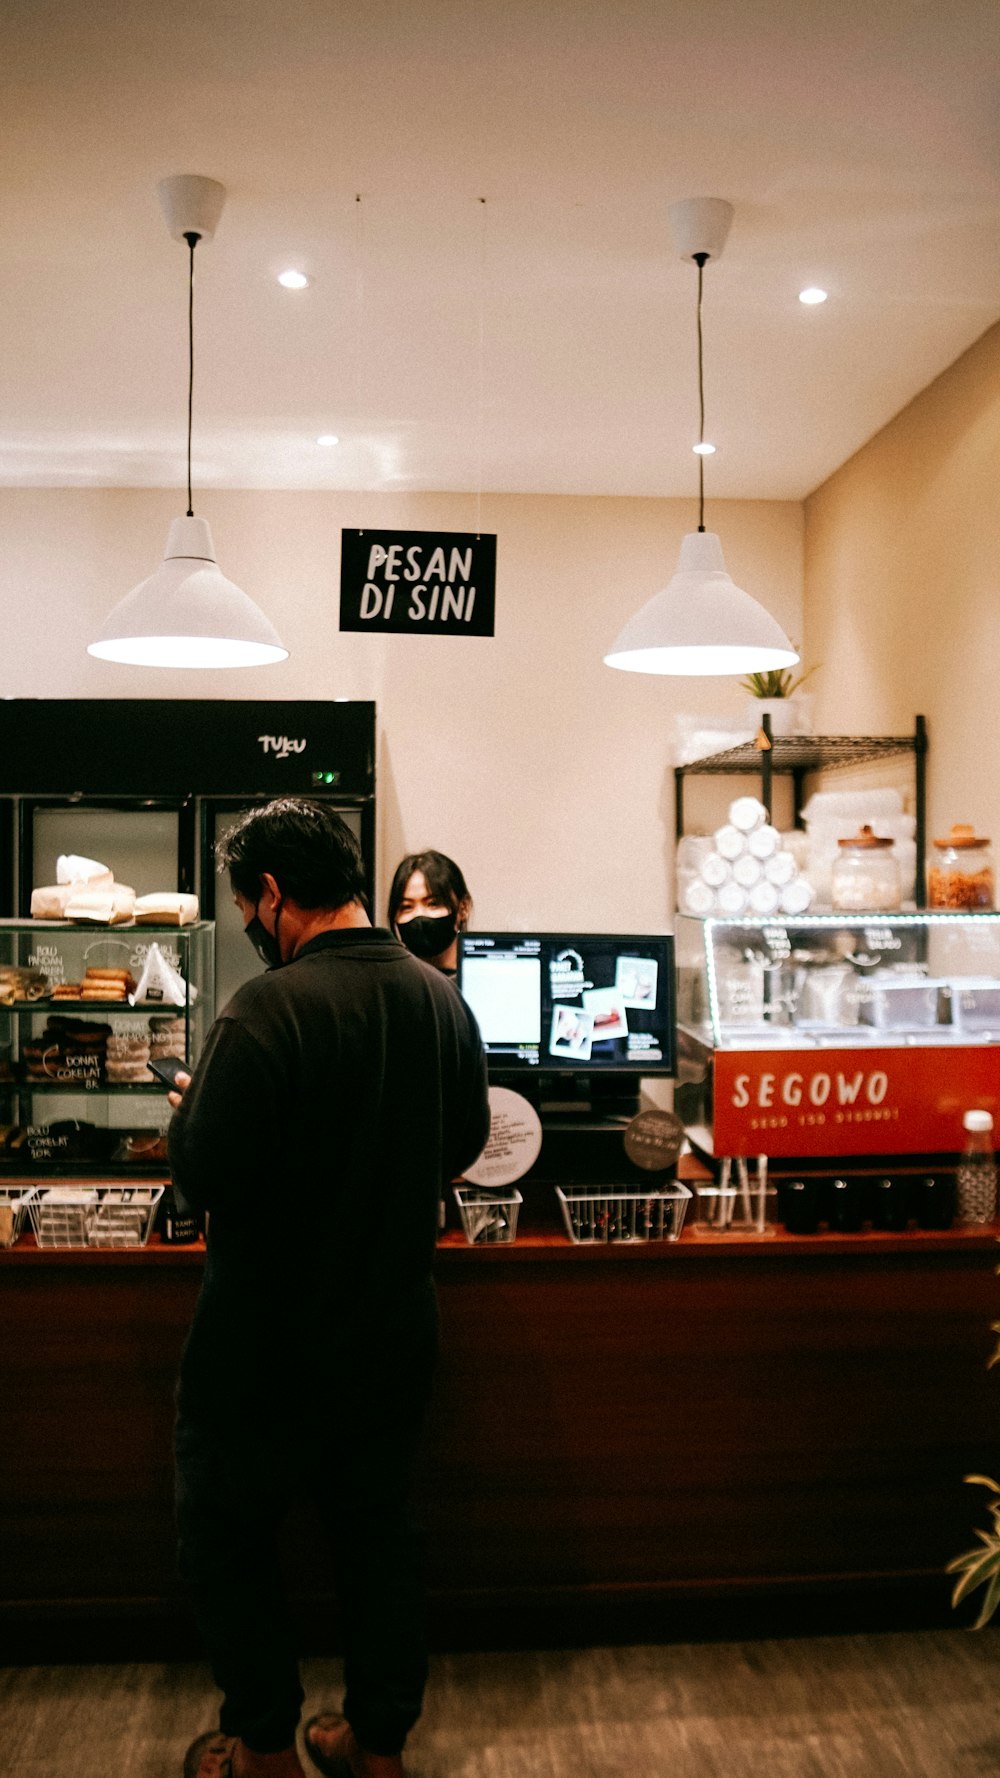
{"points": [[334, 1100]]}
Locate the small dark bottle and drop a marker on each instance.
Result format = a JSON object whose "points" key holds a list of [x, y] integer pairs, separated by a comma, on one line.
{"points": [[847, 1206], [802, 1206], [180, 1225], [890, 1209], [936, 1202]]}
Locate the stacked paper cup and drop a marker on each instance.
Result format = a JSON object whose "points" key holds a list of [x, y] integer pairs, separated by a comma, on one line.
{"points": [[743, 869]]}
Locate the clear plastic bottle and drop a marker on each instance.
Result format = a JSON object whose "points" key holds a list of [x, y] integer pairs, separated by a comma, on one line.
{"points": [[977, 1172]]}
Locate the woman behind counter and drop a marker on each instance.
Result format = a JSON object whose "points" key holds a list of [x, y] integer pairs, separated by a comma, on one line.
{"points": [[429, 905]]}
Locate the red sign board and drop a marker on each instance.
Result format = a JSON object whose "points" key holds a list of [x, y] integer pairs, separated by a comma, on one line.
{"points": [[850, 1101]]}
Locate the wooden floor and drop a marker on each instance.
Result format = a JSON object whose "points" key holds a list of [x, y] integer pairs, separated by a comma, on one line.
{"points": [[911, 1705]]}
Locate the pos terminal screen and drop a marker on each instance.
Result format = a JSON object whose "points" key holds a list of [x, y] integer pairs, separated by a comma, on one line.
{"points": [[584, 1003]]}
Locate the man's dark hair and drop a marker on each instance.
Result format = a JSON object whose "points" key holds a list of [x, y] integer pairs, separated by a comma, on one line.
{"points": [[441, 874], [305, 846]]}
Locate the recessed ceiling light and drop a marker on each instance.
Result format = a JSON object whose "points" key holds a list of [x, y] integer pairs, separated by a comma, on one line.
{"points": [[328, 438], [292, 280], [704, 449], [812, 295]]}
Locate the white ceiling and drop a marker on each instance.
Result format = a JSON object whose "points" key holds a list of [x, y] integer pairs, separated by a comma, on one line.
{"points": [[541, 343]]}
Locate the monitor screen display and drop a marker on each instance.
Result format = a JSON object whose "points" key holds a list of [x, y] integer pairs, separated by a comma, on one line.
{"points": [[585, 1003]]}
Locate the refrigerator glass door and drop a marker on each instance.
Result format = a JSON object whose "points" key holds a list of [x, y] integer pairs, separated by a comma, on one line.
{"points": [[138, 845]]}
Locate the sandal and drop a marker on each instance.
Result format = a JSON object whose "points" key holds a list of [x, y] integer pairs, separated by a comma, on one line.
{"points": [[211, 1756], [346, 1760]]}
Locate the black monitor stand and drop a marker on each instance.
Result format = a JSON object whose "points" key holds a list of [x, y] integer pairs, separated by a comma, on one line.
{"points": [[564, 1098]]}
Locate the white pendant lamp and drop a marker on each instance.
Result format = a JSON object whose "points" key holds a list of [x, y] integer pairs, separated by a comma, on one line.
{"points": [[187, 614], [701, 622]]}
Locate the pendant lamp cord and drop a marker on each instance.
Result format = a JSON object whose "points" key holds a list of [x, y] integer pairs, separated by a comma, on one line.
{"points": [[192, 240], [699, 260], [481, 369]]}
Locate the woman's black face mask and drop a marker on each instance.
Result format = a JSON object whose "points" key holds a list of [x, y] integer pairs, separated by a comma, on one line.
{"points": [[427, 935]]}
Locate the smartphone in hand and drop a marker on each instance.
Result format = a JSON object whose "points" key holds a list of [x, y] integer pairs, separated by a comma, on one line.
{"points": [[167, 1068]]}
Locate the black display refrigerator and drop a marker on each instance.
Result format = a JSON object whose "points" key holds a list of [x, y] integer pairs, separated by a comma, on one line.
{"points": [[147, 786]]}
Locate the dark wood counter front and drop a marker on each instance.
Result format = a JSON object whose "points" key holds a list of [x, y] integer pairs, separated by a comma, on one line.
{"points": [[715, 1419]]}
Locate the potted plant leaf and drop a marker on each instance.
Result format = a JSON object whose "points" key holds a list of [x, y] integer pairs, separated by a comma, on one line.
{"points": [[980, 1566], [776, 694]]}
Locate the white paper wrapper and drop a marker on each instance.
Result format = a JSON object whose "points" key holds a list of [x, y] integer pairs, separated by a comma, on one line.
{"points": [[101, 907], [160, 984], [166, 908], [71, 868], [50, 903], [698, 737], [853, 805]]}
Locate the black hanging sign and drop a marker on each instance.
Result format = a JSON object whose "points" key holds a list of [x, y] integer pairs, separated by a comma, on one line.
{"points": [[417, 583]]}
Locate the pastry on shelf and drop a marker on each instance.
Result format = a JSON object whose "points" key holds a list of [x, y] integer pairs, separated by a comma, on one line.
{"points": [[21, 984]]}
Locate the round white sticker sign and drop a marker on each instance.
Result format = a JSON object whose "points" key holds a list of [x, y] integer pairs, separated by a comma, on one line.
{"points": [[514, 1143]]}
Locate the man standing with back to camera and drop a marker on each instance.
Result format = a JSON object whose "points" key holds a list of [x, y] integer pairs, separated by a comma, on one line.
{"points": [[336, 1095]]}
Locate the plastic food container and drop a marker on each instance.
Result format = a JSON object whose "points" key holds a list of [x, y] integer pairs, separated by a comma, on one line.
{"points": [[865, 875], [901, 1003], [961, 875], [828, 996], [975, 1004]]}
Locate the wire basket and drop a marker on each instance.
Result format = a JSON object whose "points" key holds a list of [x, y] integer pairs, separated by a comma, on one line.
{"points": [[94, 1216], [487, 1216], [14, 1201], [611, 1214]]}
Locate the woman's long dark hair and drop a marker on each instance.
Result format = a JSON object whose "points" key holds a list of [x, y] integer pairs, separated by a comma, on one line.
{"points": [[441, 874]]}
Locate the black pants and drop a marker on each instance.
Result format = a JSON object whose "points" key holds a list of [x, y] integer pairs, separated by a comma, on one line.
{"points": [[351, 1447]]}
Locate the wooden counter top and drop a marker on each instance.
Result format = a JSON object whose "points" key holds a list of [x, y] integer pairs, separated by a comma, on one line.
{"points": [[550, 1244], [724, 1416]]}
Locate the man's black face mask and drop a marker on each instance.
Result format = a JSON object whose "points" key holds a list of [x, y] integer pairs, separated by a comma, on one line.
{"points": [[265, 943]]}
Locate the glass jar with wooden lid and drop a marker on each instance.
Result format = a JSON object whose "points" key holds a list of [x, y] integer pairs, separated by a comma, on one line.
{"points": [[961, 875], [866, 875]]}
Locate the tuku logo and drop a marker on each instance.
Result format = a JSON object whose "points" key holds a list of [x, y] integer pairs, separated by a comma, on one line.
{"points": [[280, 745]]}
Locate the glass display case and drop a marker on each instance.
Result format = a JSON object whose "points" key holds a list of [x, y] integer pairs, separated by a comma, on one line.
{"points": [[79, 1025], [839, 1033]]}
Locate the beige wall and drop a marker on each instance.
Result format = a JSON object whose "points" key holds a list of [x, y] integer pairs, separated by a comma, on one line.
{"points": [[903, 586], [543, 771]]}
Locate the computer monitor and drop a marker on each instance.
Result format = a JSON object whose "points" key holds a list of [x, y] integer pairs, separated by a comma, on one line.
{"points": [[587, 1003]]}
